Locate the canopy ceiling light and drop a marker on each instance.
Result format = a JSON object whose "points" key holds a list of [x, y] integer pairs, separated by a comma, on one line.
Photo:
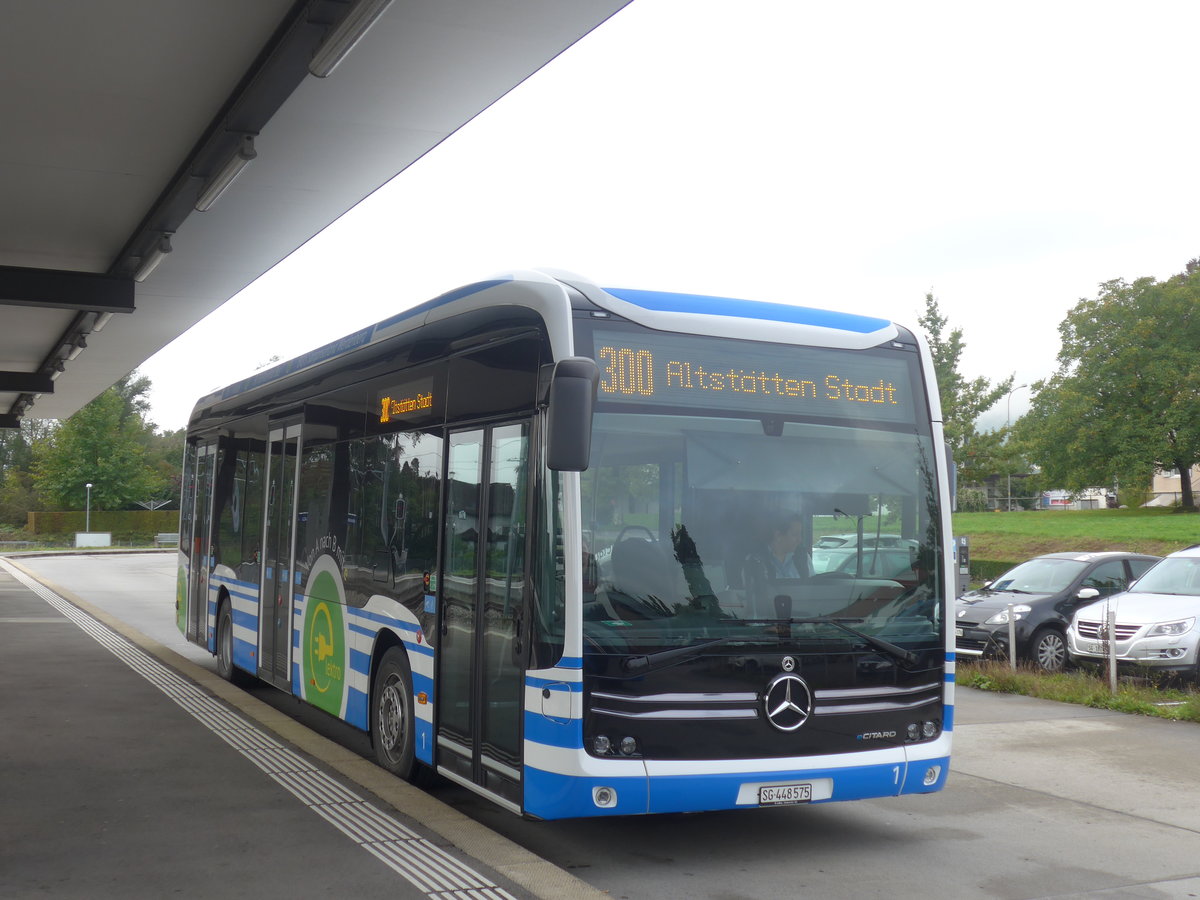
{"points": [[348, 32], [151, 260], [233, 167]]}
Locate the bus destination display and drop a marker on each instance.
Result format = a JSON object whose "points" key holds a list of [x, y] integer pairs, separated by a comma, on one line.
{"points": [[693, 371], [407, 402]]}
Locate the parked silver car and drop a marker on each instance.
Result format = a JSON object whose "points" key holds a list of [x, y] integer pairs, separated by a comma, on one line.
{"points": [[1157, 620]]}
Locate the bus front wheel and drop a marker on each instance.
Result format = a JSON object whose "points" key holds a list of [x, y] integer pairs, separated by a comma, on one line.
{"points": [[392, 715]]}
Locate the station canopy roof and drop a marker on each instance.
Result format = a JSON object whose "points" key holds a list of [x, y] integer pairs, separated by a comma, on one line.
{"points": [[123, 118]]}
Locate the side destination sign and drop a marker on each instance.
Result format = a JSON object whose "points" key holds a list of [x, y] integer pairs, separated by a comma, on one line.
{"points": [[703, 372], [406, 402]]}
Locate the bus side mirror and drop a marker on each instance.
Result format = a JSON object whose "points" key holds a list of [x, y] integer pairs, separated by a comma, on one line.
{"points": [[569, 421]]}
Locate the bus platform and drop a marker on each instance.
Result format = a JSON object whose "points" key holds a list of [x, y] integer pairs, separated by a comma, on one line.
{"points": [[129, 771]]}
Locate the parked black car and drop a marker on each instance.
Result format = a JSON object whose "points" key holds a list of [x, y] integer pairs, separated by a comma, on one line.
{"points": [[1045, 592]]}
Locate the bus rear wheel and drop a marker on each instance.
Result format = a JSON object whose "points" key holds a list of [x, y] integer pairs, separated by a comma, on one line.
{"points": [[392, 725]]}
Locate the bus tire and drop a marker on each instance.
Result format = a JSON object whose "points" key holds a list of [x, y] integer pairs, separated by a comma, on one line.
{"points": [[392, 721], [225, 667]]}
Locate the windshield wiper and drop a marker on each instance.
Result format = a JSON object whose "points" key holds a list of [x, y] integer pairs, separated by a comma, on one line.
{"points": [[896, 652], [636, 665]]}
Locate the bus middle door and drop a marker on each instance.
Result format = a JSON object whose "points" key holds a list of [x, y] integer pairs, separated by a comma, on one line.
{"points": [[278, 578]]}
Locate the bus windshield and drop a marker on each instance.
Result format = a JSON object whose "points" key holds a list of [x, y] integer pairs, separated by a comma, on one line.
{"points": [[701, 528]]}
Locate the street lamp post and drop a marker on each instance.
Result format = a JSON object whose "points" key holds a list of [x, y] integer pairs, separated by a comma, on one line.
{"points": [[87, 516], [1007, 425]]}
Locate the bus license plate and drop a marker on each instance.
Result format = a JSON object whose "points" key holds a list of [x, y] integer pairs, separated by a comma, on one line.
{"points": [[779, 794]]}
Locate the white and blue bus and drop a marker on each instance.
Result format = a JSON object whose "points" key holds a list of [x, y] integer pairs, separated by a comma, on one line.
{"points": [[556, 543]]}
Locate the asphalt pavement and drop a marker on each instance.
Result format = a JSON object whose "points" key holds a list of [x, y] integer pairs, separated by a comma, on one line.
{"points": [[128, 771]]}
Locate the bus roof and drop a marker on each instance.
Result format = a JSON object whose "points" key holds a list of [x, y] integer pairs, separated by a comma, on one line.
{"points": [[725, 316]]}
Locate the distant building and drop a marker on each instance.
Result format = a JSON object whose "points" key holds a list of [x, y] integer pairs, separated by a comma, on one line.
{"points": [[1165, 489]]}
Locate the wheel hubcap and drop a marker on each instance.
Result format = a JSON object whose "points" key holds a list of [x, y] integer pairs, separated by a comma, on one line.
{"points": [[391, 717], [1051, 653]]}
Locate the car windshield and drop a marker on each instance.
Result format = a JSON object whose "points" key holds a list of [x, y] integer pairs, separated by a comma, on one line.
{"points": [[1178, 575], [1040, 576]]}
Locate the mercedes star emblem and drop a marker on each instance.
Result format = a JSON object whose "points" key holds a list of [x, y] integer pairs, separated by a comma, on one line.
{"points": [[787, 702]]}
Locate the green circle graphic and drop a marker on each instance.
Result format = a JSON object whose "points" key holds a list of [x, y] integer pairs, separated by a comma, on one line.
{"points": [[324, 645]]}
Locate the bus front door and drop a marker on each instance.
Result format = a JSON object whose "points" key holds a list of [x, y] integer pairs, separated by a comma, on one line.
{"points": [[480, 677], [275, 616]]}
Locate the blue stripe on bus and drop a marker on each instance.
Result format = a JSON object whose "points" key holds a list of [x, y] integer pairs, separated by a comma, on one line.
{"points": [[423, 733], [552, 795], [357, 711], [225, 579], [568, 733], [243, 655], [421, 649], [569, 796], [749, 309], [570, 662], [554, 685], [401, 624], [423, 684], [245, 619], [360, 662]]}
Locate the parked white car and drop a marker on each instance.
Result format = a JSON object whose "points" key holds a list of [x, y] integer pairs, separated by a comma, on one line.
{"points": [[1157, 620]]}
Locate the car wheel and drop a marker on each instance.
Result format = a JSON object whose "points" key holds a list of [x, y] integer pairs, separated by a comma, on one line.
{"points": [[1048, 650]]}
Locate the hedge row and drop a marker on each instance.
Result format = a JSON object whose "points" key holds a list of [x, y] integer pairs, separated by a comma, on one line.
{"points": [[989, 569], [118, 522]]}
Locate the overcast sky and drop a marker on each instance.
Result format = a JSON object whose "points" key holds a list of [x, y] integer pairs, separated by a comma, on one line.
{"points": [[850, 156]]}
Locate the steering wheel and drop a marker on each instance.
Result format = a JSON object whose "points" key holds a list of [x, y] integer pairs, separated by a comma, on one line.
{"points": [[649, 534]]}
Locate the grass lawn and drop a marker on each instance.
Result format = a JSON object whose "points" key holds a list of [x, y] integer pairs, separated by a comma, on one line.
{"points": [[1016, 536]]}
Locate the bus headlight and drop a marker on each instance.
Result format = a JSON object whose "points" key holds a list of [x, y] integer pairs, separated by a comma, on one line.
{"points": [[601, 745], [629, 746]]}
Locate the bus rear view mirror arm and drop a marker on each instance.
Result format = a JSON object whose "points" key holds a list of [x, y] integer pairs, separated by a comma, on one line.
{"points": [[569, 421]]}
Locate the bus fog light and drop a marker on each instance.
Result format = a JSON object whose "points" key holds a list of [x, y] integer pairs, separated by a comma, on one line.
{"points": [[602, 745], [932, 774], [604, 797], [628, 746], [929, 729]]}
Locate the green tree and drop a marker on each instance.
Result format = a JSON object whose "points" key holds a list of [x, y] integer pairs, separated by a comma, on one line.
{"points": [[105, 443], [1125, 399], [17, 493], [978, 455]]}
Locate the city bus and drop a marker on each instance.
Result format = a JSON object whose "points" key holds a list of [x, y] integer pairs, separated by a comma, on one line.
{"points": [[517, 533]]}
